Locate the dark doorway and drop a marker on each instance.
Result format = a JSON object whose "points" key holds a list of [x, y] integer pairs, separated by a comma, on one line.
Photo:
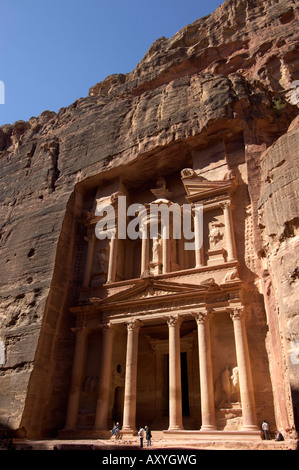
{"points": [[184, 381], [117, 410]]}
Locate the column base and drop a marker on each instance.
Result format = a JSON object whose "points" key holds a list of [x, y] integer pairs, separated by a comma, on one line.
{"points": [[250, 427], [213, 435], [175, 428], [128, 431], [207, 428]]}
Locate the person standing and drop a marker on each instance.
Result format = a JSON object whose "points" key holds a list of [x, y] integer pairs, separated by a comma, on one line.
{"points": [[115, 430], [266, 429], [141, 436], [148, 436]]}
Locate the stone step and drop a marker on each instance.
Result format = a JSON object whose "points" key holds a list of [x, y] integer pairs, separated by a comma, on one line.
{"points": [[157, 443]]}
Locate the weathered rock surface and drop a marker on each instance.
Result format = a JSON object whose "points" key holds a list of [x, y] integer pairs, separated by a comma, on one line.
{"points": [[278, 212], [225, 78]]}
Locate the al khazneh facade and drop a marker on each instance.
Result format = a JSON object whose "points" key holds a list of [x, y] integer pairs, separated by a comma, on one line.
{"points": [[161, 332]]}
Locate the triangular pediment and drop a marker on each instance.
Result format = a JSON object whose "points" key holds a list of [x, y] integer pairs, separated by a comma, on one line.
{"points": [[152, 289]]}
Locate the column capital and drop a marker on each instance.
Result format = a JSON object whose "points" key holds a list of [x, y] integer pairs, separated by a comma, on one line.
{"points": [[108, 326], [133, 325], [80, 330], [235, 312], [225, 204], [173, 320], [200, 316]]}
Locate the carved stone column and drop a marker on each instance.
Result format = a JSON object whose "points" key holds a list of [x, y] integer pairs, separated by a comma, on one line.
{"points": [[77, 378], [112, 258], [89, 258], [198, 237], [175, 392], [229, 231], [205, 372], [104, 378], [129, 417], [165, 249], [144, 249], [244, 368]]}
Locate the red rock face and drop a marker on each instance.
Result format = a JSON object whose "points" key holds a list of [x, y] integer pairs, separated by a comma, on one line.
{"points": [[221, 89]]}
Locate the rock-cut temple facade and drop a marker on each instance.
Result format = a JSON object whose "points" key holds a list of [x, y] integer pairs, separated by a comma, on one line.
{"points": [[141, 330], [162, 331]]}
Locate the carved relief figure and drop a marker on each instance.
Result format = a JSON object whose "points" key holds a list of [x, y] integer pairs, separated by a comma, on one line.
{"points": [[102, 261], [215, 234], [226, 383], [227, 387], [235, 384], [101, 267], [156, 256], [156, 262]]}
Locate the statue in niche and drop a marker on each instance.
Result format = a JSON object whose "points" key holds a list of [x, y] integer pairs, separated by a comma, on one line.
{"points": [[216, 235], [156, 261], [156, 258], [102, 261], [101, 267], [226, 383], [227, 387], [235, 384]]}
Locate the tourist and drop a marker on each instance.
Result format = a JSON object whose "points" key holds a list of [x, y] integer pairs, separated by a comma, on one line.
{"points": [[278, 436], [115, 430], [266, 429], [141, 436], [148, 436]]}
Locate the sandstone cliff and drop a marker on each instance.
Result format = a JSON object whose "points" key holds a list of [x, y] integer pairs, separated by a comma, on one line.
{"points": [[226, 77]]}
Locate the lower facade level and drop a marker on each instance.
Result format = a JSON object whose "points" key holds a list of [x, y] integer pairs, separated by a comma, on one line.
{"points": [[181, 370]]}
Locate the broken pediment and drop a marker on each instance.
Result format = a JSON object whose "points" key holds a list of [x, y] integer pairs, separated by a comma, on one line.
{"points": [[198, 188]]}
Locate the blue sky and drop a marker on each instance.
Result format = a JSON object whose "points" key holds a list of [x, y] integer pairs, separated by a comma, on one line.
{"points": [[53, 51]]}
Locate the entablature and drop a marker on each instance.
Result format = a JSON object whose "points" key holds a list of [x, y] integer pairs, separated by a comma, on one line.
{"points": [[150, 299]]}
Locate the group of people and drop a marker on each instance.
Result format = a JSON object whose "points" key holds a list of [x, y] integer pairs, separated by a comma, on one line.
{"points": [[141, 433], [146, 432], [148, 435], [266, 431]]}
